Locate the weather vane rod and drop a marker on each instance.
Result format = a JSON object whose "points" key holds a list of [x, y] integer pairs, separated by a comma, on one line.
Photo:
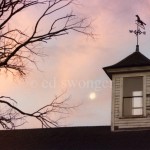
{"points": [[140, 24]]}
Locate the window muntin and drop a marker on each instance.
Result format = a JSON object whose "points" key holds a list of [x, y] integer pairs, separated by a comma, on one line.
{"points": [[132, 96]]}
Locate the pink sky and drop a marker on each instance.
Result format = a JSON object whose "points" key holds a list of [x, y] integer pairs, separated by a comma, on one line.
{"points": [[74, 58]]}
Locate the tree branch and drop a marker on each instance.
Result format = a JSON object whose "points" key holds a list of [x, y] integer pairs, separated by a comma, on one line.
{"points": [[13, 114]]}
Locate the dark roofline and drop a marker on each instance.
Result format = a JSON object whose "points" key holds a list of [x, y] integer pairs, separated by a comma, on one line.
{"points": [[74, 138], [136, 59], [117, 65]]}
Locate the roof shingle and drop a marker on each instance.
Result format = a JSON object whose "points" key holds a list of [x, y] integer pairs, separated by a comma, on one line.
{"points": [[136, 59]]}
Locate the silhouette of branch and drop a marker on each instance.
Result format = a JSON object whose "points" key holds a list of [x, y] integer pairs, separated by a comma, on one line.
{"points": [[18, 48], [48, 115]]}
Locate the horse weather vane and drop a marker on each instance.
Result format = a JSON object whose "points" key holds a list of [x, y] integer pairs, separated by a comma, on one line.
{"points": [[140, 24]]}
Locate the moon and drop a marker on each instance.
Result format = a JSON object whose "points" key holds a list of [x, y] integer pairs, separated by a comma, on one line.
{"points": [[92, 95]]}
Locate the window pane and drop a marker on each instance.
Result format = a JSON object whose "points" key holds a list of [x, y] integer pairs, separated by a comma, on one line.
{"points": [[137, 102], [137, 93], [137, 111], [127, 107], [131, 85]]}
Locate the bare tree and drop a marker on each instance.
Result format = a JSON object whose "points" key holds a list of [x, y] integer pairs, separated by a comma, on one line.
{"points": [[17, 48], [48, 115]]}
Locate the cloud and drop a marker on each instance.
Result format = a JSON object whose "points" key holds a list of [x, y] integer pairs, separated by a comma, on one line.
{"points": [[73, 57]]}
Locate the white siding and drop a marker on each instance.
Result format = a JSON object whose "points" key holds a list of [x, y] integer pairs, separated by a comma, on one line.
{"points": [[125, 123], [148, 95], [116, 99], [132, 123], [117, 96]]}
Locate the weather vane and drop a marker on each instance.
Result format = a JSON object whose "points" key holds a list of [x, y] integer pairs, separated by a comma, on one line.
{"points": [[140, 24]]}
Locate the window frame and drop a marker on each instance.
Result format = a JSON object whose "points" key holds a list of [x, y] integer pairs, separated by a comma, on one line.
{"points": [[122, 76], [133, 108]]}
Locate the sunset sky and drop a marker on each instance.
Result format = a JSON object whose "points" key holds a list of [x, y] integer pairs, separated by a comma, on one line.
{"points": [[74, 62]]}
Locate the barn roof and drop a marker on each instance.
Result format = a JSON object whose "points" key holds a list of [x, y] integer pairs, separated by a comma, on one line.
{"points": [[74, 138]]}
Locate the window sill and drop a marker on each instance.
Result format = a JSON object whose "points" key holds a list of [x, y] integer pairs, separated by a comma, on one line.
{"points": [[131, 117]]}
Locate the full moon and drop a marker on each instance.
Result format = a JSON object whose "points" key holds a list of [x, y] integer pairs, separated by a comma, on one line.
{"points": [[92, 96]]}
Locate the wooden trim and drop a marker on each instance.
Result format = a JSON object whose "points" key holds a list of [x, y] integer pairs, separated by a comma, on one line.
{"points": [[128, 69], [144, 95], [132, 117], [132, 96], [144, 88], [132, 74], [121, 98], [112, 103]]}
